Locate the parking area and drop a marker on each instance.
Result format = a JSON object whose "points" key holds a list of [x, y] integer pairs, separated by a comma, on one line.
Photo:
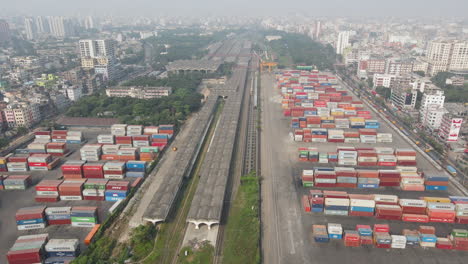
{"points": [[12, 200], [288, 228]]}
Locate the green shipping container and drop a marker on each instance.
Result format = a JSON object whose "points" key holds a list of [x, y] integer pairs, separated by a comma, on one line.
{"points": [[459, 233], [83, 219], [308, 184], [14, 187], [95, 186], [149, 149]]}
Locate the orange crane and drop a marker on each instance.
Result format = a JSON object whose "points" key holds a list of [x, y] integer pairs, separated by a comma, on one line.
{"points": [[268, 64]]}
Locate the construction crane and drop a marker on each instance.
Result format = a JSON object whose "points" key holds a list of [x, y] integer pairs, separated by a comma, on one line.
{"points": [[263, 64]]}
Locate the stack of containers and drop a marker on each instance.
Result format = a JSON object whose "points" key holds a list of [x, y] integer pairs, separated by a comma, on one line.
{"points": [[351, 238], [58, 215], [40, 162], [351, 137], [114, 170], [346, 177], [398, 241], [382, 238], [37, 146], [341, 123], [125, 141], [119, 129], [320, 233], [73, 169], [48, 191], [94, 189], [313, 155], [388, 212], [91, 152], [368, 135], [323, 158], [427, 236], [319, 135], [3, 164], [59, 136], [324, 177], [336, 135], [150, 130], [347, 157], [361, 205], [389, 178], [140, 141], [42, 135], [308, 178], [136, 169], [29, 218], [357, 122], [412, 237], [336, 206], [84, 216], [332, 156], [386, 199], [444, 243], [62, 248], [406, 157], [372, 124], [93, 170], [316, 201], [384, 137], [28, 249], [116, 190], [460, 239], [126, 154], [74, 137], [414, 210], [461, 211], [166, 129], [367, 158], [17, 182], [411, 180], [365, 234], [56, 149], [368, 179], [441, 212], [18, 163], [148, 153], [134, 130], [159, 140], [110, 152], [387, 160], [105, 139], [335, 231], [71, 189], [436, 182]]}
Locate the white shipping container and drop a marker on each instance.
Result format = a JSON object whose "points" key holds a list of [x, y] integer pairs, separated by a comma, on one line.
{"points": [[337, 201], [114, 176], [308, 172], [362, 203], [406, 169], [31, 226], [352, 140], [406, 157], [58, 210], [82, 224], [412, 180], [58, 245], [71, 197], [93, 192], [384, 150], [298, 138], [367, 159], [413, 202], [320, 140], [47, 193], [441, 206], [385, 198], [334, 228]]}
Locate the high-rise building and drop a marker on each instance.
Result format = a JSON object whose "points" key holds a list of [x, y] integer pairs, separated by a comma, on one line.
{"points": [[450, 127], [100, 55], [384, 80], [89, 23], [447, 55], [318, 29], [41, 25], [30, 28], [60, 27], [343, 42], [403, 98], [5, 34]]}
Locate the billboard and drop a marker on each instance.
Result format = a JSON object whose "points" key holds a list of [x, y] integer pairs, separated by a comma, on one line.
{"points": [[454, 129]]}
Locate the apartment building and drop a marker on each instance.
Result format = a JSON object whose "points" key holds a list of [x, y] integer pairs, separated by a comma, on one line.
{"points": [[447, 55], [139, 92], [384, 80], [450, 127], [403, 98]]}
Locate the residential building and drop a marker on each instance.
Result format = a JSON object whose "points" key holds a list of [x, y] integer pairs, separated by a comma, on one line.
{"points": [[5, 34], [373, 65], [450, 127], [384, 80], [138, 92], [447, 55], [100, 56], [399, 67], [318, 30], [403, 98], [74, 93], [20, 115], [30, 28], [421, 83], [432, 109], [60, 27], [42, 25], [420, 66], [343, 42], [436, 98]]}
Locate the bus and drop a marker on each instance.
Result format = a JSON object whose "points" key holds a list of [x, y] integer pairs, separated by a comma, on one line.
{"points": [[452, 170]]}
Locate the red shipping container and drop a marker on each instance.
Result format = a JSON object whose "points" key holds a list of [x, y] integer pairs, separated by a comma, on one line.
{"points": [[359, 213], [46, 199], [461, 219], [427, 230], [383, 228], [377, 245], [25, 256], [44, 133], [417, 218], [118, 185], [94, 198], [306, 203], [59, 222], [366, 240], [345, 185], [325, 185]]}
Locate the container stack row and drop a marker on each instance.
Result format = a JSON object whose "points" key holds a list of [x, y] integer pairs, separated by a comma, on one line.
{"points": [[388, 207], [38, 217], [77, 169], [380, 236], [322, 135], [97, 152]]}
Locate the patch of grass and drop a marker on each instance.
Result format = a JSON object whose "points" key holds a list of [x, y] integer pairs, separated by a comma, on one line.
{"points": [[241, 244], [202, 255]]}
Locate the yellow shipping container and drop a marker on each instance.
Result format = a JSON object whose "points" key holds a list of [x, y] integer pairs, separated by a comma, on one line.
{"points": [[337, 113], [436, 200], [327, 118], [356, 119]]}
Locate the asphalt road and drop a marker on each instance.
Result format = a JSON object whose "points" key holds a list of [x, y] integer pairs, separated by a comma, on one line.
{"points": [[287, 230]]}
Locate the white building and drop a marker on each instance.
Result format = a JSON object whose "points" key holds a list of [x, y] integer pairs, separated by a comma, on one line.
{"points": [[100, 55], [343, 42], [30, 28], [384, 80], [447, 55], [139, 92], [57, 26], [404, 99], [74, 93], [432, 109]]}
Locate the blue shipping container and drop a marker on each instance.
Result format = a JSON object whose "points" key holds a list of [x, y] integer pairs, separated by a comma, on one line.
{"points": [[58, 260], [436, 188], [362, 209], [114, 199], [335, 236], [58, 217], [366, 185], [135, 174], [30, 221], [62, 254]]}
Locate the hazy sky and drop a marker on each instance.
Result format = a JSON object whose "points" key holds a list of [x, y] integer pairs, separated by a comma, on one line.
{"points": [[405, 8]]}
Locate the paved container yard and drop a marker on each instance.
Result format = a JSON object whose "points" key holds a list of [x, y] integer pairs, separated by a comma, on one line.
{"points": [[12, 200], [287, 229]]}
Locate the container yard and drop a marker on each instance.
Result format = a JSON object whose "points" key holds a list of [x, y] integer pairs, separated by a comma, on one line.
{"points": [[63, 184], [321, 141]]}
